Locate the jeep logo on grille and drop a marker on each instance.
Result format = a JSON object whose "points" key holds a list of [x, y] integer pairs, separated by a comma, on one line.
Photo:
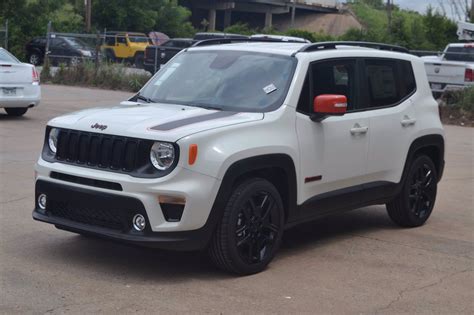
{"points": [[97, 126]]}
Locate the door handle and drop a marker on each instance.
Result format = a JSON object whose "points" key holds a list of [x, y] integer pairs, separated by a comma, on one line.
{"points": [[407, 121], [358, 129]]}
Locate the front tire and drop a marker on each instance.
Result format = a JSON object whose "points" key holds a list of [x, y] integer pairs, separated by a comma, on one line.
{"points": [[414, 204], [251, 228], [16, 111]]}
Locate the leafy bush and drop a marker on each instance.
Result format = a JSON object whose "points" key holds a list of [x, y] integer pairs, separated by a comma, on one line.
{"points": [[462, 99], [107, 76]]}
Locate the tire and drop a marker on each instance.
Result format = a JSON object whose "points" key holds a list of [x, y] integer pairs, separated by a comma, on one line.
{"points": [[75, 61], [35, 59], [139, 60], [16, 111], [414, 204], [253, 217]]}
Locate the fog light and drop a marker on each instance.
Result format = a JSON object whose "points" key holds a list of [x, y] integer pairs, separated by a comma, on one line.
{"points": [[42, 201], [139, 222]]}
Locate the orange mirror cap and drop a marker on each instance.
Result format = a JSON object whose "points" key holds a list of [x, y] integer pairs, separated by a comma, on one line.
{"points": [[193, 152], [331, 104]]}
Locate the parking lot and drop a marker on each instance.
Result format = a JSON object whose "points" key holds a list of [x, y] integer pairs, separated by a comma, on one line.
{"points": [[358, 262]]}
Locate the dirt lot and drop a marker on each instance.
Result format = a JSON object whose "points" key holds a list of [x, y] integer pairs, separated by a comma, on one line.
{"points": [[358, 262]]}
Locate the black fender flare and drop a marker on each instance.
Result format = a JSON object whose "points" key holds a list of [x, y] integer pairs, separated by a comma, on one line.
{"points": [[432, 144], [243, 167]]}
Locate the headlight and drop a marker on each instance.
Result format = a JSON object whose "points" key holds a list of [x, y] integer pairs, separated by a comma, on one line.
{"points": [[86, 53], [162, 155], [53, 140]]}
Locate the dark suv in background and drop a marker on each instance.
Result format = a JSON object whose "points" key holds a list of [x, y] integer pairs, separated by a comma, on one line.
{"points": [[155, 56], [69, 50]]}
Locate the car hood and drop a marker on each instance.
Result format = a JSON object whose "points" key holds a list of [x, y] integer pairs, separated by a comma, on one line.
{"points": [[166, 122]]}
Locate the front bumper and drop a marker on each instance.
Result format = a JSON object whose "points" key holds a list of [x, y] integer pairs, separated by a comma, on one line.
{"points": [[109, 216]]}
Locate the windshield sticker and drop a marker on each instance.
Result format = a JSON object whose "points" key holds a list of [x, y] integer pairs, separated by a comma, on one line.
{"points": [[167, 73], [269, 88]]}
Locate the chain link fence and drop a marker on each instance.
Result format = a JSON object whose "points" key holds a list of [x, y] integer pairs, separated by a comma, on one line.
{"points": [[71, 49]]}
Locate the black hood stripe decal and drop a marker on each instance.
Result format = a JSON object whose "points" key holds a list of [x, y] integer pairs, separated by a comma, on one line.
{"points": [[192, 120]]}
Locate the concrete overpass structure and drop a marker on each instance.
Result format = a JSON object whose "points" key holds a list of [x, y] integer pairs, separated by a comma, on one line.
{"points": [[266, 8]]}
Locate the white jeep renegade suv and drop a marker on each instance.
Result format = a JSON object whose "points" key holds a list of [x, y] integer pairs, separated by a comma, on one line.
{"points": [[229, 145]]}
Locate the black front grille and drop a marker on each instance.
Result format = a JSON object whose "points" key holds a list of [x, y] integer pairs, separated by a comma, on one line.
{"points": [[102, 151]]}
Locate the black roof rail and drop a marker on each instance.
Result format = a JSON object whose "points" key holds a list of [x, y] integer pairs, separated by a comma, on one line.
{"points": [[332, 45], [217, 41]]}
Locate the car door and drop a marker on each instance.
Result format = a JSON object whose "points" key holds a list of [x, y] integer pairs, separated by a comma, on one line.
{"points": [[390, 105], [333, 152], [121, 47]]}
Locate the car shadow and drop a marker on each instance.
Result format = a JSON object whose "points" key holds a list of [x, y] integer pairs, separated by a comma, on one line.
{"points": [[110, 257], [6, 117]]}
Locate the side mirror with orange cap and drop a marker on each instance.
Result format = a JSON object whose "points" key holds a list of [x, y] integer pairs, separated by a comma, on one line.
{"points": [[328, 105]]}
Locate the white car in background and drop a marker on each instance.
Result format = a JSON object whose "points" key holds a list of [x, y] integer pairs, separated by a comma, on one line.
{"points": [[19, 85]]}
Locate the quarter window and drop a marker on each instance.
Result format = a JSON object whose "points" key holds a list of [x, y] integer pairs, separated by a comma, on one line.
{"points": [[383, 89]]}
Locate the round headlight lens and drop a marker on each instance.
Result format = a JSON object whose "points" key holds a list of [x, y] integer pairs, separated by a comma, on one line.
{"points": [[53, 140], [162, 155]]}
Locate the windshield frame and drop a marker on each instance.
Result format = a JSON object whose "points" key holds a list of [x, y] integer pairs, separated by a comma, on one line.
{"points": [[273, 106]]}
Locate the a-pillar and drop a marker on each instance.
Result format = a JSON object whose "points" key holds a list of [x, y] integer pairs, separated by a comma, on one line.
{"points": [[212, 20], [227, 18], [268, 19]]}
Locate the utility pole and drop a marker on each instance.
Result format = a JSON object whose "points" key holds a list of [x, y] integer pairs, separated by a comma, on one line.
{"points": [[293, 9], [88, 7], [471, 15], [389, 15]]}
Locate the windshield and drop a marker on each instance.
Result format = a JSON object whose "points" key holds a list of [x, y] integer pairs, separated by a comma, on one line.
{"points": [[460, 54], [76, 43], [227, 80], [5, 56], [138, 38]]}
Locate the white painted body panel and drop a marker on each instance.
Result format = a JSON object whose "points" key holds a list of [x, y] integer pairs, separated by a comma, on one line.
{"points": [[18, 76], [324, 148]]}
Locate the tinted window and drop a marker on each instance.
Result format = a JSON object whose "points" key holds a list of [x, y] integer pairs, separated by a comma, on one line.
{"points": [[334, 77], [121, 40], [465, 53], [383, 89], [304, 103], [409, 82], [110, 40]]}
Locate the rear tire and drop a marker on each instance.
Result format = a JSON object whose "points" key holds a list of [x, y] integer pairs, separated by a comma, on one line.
{"points": [[34, 59], [414, 204], [16, 111], [251, 228]]}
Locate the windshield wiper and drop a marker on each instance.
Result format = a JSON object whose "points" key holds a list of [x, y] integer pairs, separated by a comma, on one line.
{"points": [[143, 98], [209, 107]]}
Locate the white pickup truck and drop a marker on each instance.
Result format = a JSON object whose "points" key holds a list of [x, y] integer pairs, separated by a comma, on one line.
{"points": [[452, 70]]}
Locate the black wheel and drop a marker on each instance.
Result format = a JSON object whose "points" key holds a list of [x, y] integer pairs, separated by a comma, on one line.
{"points": [[250, 232], [16, 111], [34, 59], [413, 206], [139, 59]]}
